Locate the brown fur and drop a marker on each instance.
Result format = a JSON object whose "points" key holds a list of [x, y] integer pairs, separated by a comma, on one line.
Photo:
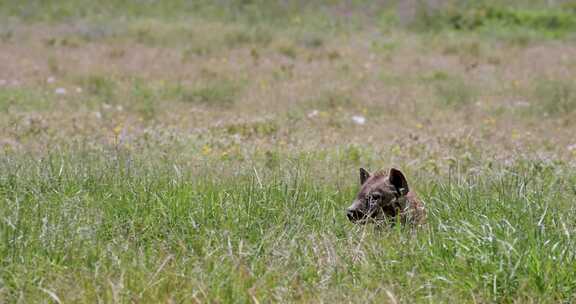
{"points": [[386, 197]]}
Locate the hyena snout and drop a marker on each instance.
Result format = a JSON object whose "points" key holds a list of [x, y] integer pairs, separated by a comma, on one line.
{"points": [[354, 215], [354, 212]]}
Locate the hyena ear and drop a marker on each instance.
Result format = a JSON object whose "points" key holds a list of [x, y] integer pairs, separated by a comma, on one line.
{"points": [[398, 180], [364, 175]]}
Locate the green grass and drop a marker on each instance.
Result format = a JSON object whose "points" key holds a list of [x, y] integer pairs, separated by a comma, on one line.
{"points": [[84, 228], [272, 13], [101, 87], [492, 17], [24, 98], [200, 151], [453, 92], [554, 97], [216, 92]]}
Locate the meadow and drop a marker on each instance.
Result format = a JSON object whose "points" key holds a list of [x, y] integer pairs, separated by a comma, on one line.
{"points": [[205, 151]]}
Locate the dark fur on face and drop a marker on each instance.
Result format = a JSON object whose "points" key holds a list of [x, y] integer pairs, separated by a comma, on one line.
{"points": [[385, 196]]}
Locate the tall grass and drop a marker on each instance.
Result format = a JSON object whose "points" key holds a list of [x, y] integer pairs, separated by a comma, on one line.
{"points": [[204, 151], [554, 97], [85, 228]]}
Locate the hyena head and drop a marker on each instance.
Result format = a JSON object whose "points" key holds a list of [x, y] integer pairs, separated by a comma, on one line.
{"points": [[380, 195]]}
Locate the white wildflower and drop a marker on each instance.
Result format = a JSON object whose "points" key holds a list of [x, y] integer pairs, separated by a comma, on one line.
{"points": [[60, 91], [313, 113], [359, 120], [521, 104]]}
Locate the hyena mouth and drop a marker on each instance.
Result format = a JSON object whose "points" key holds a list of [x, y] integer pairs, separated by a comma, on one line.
{"points": [[359, 217], [355, 215]]}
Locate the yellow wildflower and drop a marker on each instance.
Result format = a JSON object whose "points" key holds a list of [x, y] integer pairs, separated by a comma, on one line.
{"points": [[206, 150]]}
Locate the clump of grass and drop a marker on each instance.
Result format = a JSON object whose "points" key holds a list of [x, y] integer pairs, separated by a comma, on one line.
{"points": [[353, 154], [196, 50], [215, 92], [144, 99], [6, 34], [154, 33], [288, 50], [554, 96], [102, 87], [70, 42], [256, 128], [249, 36], [464, 48], [436, 76], [23, 98], [454, 92], [311, 40], [385, 47]]}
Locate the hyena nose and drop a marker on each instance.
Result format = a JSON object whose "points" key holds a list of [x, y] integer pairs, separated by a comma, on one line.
{"points": [[354, 215]]}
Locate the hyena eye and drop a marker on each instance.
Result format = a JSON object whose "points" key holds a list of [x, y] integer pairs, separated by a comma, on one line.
{"points": [[375, 196]]}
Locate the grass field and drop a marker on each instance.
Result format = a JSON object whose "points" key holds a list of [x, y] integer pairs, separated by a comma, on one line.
{"points": [[205, 151]]}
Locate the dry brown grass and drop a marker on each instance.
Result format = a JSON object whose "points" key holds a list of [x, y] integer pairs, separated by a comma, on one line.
{"points": [[172, 158], [398, 80]]}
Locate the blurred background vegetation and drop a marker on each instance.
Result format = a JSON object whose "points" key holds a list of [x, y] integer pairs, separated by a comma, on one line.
{"points": [[198, 151], [553, 16]]}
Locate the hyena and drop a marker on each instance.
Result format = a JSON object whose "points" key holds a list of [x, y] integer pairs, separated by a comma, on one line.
{"points": [[386, 197]]}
